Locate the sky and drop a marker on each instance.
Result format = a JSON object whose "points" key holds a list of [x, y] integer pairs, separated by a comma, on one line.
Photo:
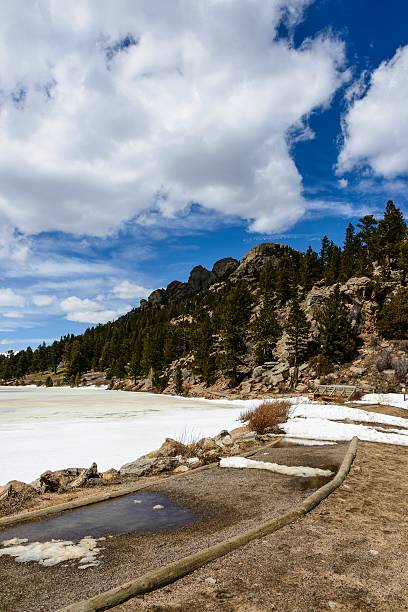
{"points": [[141, 139]]}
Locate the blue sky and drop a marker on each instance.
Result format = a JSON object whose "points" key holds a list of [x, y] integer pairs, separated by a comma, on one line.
{"points": [[141, 140]]}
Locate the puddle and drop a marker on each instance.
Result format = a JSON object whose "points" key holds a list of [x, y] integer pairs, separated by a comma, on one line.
{"points": [[135, 513]]}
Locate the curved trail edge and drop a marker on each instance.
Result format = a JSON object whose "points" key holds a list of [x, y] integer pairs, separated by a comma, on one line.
{"points": [[95, 499], [171, 572]]}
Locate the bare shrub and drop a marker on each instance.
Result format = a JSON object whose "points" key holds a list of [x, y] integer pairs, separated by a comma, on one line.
{"points": [[186, 444], [269, 415], [383, 361], [401, 369]]}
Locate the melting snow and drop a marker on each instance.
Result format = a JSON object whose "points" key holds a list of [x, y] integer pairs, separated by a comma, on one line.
{"points": [[296, 470], [323, 429], [385, 399], [53, 552], [340, 413]]}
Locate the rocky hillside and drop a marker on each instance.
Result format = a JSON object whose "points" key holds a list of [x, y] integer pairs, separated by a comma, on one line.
{"points": [[276, 321]]}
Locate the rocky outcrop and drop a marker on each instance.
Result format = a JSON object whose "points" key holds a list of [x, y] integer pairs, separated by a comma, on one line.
{"points": [[200, 279], [177, 290], [15, 489], [70, 478], [253, 262], [147, 466], [157, 298], [224, 267]]}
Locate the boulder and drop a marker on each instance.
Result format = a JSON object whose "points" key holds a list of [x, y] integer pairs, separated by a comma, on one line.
{"points": [[89, 476], [200, 278], [169, 448], [149, 467], [110, 475], [224, 267], [357, 370], [177, 290], [157, 297], [257, 372], [180, 469], [58, 480], [207, 444], [274, 379], [17, 489]]}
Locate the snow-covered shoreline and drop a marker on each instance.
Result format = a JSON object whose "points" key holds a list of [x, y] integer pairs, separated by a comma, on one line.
{"points": [[61, 427]]}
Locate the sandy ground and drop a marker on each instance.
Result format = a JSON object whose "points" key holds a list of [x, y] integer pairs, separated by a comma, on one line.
{"points": [[349, 554], [226, 501]]}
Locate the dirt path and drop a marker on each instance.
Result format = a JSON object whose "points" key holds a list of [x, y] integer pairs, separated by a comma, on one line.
{"points": [[226, 502], [349, 554]]}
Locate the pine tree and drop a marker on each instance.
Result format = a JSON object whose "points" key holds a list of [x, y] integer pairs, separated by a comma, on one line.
{"points": [[367, 236], [391, 231], [392, 320], [310, 269], [350, 263], [202, 343], [298, 332], [235, 311], [179, 383], [332, 271], [336, 338], [266, 331]]}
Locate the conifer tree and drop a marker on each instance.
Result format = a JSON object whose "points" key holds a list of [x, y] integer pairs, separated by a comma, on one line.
{"points": [[202, 343], [235, 311], [392, 320], [336, 337], [179, 384], [310, 269], [367, 236], [266, 331], [298, 332], [391, 231], [351, 263]]}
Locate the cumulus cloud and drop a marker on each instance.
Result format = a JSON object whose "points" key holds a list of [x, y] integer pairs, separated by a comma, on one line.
{"points": [[42, 299], [376, 124], [90, 311], [126, 290], [9, 298], [112, 110]]}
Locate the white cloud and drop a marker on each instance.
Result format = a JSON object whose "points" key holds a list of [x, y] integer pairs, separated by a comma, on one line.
{"points": [[200, 110], [343, 183], [376, 125], [9, 298], [42, 299], [90, 311], [13, 314], [126, 290]]}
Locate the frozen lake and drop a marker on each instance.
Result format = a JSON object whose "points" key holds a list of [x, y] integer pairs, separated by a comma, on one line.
{"points": [[55, 428]]}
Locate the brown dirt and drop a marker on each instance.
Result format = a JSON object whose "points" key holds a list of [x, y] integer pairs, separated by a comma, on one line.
{"points": [[349, 554], [226, 501]]}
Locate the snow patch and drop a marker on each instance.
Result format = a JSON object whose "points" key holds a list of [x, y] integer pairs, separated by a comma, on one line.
{"points": [[341, 413], [53, 552], [323, 429], [296, 470], [385, 399]]}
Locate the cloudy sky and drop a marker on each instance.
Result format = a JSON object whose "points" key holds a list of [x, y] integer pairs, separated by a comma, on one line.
{"points": [[139, 139]]}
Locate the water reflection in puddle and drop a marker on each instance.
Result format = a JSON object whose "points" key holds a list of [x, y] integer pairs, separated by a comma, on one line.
{"points": [[139, 512]]}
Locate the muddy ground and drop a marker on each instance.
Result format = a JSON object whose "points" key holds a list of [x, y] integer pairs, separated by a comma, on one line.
{"points": [[226, 502], [348, 554]]}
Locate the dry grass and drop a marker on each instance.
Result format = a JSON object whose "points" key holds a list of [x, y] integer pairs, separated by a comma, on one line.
{"points": [[187, 444], [268, 416]]}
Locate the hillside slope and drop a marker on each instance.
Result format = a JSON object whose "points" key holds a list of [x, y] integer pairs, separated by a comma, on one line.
{"points": [[277, 320]]}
